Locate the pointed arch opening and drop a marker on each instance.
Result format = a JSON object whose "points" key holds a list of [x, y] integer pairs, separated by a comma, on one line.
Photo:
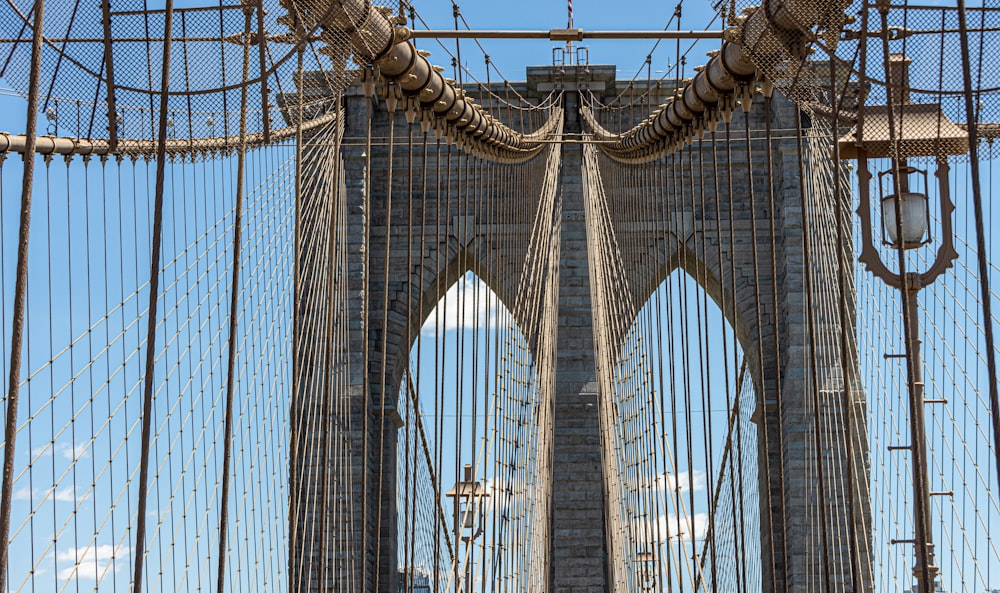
{"points": [[682, 449], [472, 447]]}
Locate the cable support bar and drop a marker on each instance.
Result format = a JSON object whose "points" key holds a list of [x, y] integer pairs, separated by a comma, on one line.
{"points": [[788, 25], [561, 34], [100, 147], [379, 39], [732, 70], [703, 100]]}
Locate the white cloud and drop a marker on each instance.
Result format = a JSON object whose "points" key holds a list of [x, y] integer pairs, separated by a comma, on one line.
{"points": [[71, 452], [497, 488], [67, 494], [666, 528], [90, 562], [467, 304], [67, 451], [683, 480], [64, 494]]}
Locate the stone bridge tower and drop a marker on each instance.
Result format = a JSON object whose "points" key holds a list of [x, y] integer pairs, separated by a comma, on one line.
{"points": [[579, 554]]}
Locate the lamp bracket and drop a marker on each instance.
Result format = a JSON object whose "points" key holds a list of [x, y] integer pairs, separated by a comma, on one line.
{"points": [[870, 257]]}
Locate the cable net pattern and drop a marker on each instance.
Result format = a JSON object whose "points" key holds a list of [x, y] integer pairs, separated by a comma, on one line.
{"points": [[75, 487], [877, 58], [208, 43]]}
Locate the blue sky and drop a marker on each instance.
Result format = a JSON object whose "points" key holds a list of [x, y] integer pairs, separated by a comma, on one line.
{"points": [[510, 57]]}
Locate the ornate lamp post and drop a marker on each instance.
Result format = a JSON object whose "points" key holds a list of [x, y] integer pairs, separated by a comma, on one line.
{"points": [[469, 515], [899, 131]]}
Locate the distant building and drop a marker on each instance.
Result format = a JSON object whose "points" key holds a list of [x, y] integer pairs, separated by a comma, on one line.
{"points": [[938, 588], [421, 582]]}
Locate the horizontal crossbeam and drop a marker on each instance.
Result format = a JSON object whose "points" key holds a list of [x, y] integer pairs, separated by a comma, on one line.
{"points": [[562, 34]]}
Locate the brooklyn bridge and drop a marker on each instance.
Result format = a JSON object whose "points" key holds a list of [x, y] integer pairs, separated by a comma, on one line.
{"points": [[321, 296]]}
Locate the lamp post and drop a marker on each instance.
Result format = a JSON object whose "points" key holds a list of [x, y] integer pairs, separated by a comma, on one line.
{"points": [[648, 560], [898, 131], [469, 520]]}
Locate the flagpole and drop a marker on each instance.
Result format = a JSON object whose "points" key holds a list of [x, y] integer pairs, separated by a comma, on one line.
{"points": [[569, 25]]}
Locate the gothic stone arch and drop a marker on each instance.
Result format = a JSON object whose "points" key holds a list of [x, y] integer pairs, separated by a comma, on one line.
{"points": [[478, 238], [698, 239]]}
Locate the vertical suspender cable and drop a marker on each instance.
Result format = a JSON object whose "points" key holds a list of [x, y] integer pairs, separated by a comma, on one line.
{"points": [[262, 55], [846, 353], [458, 45], [409, 496], [385, 331], [324, 412], [227, 451], [673, 194], [337, 282], [758, 307], [813, 358], [20, 291], [110, 70], [977, 206], [333, 352], [154, 289], [735, 405], [725, 344], [772, 231], [365, 321], [296, 275], [439, 525], [705, 366]]}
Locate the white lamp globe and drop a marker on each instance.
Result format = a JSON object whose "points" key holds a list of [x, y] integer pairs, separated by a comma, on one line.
{"points": [[914, 217]]}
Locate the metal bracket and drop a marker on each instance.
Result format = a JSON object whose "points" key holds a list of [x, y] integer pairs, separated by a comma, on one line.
{"points": [[566, 35]]}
